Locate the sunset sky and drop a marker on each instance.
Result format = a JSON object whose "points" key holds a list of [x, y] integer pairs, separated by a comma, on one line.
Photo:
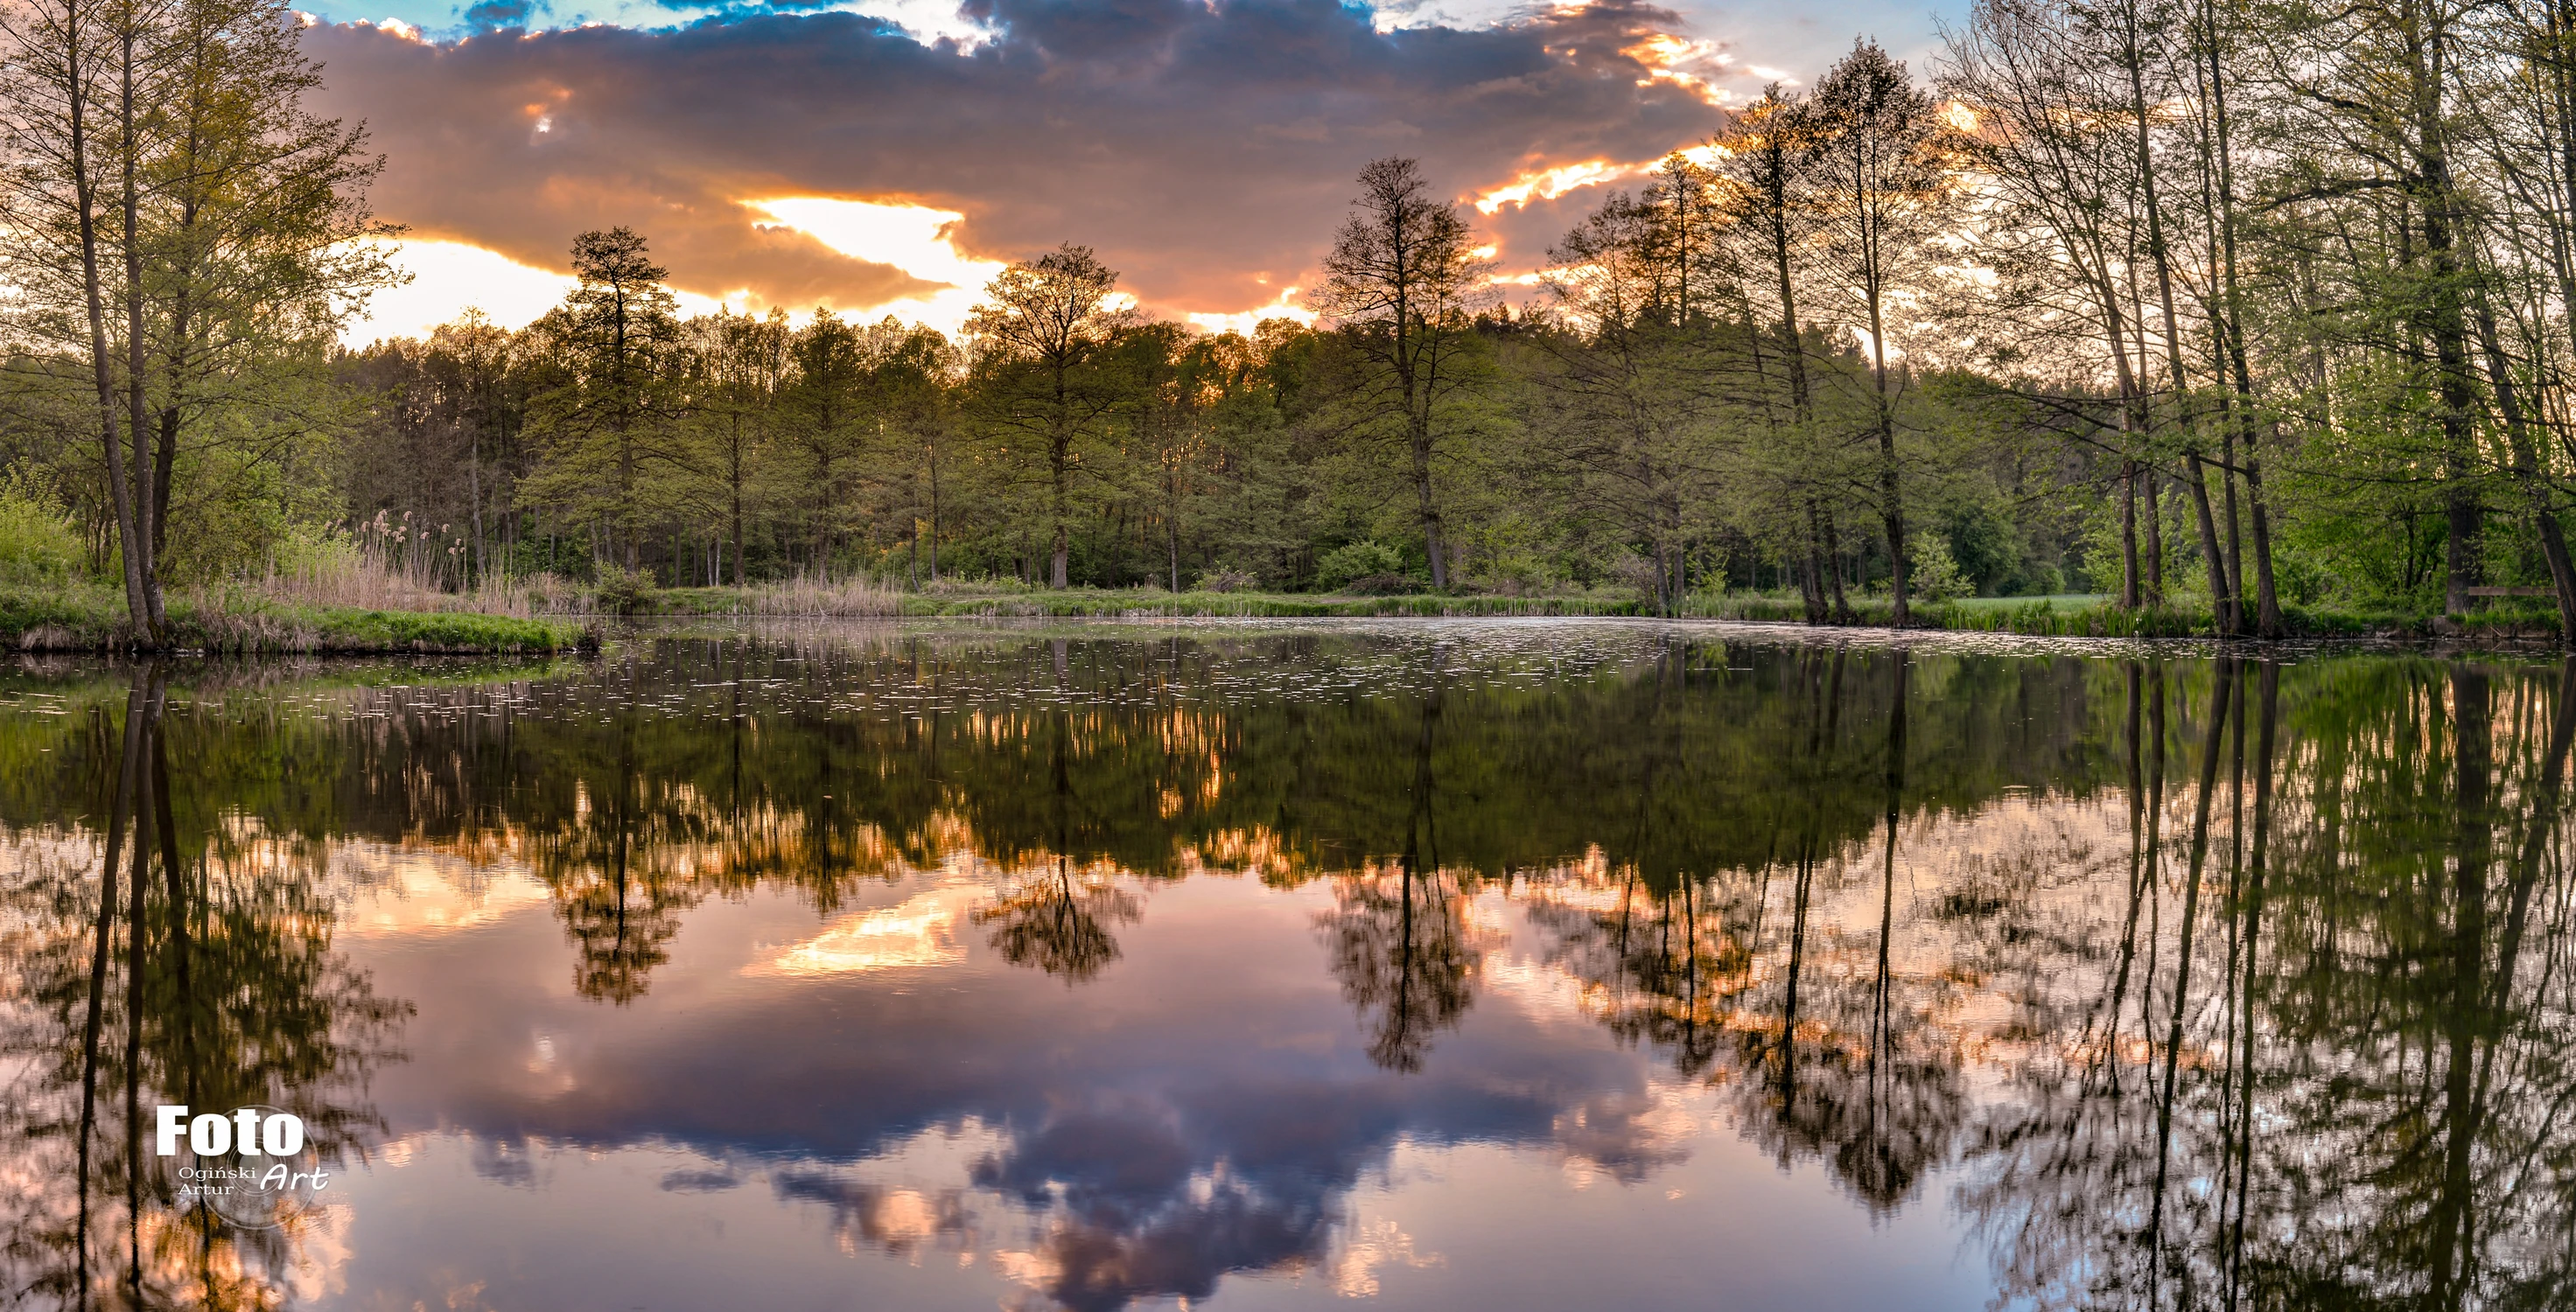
{"points": [[888, 157]]}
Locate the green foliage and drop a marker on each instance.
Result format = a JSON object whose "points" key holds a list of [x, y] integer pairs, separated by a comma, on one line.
{"points": [[1937, 577], [1338, 568], [622, 591], [37, 543]]}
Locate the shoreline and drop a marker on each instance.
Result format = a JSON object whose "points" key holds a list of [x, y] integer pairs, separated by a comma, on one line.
{"points": [[82, 620]]}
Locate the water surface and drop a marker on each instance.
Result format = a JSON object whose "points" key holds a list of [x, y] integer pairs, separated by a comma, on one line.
{"points": [[1523, 965]]}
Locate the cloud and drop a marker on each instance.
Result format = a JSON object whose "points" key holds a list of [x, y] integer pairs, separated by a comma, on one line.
{"points": [[1206, 150]]}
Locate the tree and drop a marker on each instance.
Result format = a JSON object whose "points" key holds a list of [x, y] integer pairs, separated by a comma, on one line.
{"points": [[179, 222], [1401, 284], [608, 424], [1763, 162], [1876, 152], [743, 364], [1041, 377], [1633, 378]]}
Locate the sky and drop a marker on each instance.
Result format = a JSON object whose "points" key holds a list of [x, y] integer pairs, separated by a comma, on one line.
{"points": [[890, 156]]}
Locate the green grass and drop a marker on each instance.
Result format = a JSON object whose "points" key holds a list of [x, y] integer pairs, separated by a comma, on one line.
{"points": [[91, 617]]}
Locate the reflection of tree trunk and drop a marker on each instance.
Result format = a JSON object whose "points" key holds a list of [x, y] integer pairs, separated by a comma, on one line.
{"points": [[2223, 686], [2472, 746], [2269, 712], [2541, 828], [185, 1008], [1878, 1020], [625, 821], [2143, 795], [128, 761], [1418, 837], [1825, 725], [139, 871]]}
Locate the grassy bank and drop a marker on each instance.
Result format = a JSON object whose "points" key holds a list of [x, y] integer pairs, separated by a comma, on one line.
{"points": [[88, 618]]}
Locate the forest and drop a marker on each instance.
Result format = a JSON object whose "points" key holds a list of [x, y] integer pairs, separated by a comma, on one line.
{"points": [[2239, 314]]}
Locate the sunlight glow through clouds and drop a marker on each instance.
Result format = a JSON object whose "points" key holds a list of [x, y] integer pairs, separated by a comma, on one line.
{"points": [[1548, 184], [447, 278], [1283, 306], [913, 238], [450, 277]]}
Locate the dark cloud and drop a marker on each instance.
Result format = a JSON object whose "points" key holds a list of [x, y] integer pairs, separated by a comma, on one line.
{"points": [[1200, 148], [502, 15]]}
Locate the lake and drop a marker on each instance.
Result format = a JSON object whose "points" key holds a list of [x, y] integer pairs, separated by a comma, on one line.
{"points": [[1512, 965]]}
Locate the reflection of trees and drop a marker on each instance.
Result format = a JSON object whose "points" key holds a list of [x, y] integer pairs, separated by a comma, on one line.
{"points": [[1054, 921], [205, 982], [1830, 1051], [2338, 1073], [1399, 945], [1059, 923], [609, 870], [815, 766]]}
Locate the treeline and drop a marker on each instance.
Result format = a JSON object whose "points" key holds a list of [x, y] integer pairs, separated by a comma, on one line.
{"points": [[1063, 440], [2213, 309]]}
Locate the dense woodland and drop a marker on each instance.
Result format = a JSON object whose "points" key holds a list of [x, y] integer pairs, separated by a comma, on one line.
{"points": [[2212, 307]]}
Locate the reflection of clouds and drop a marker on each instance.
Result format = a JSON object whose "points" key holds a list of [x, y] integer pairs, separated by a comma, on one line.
{"points": [[918, 932], [1140, 1137], [505, 1162], [897, 1220], [1372, 1245], [1626, 1136]]}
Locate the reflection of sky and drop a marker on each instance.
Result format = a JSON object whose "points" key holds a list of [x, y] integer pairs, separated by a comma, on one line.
{"points": [[1200, 1119]]}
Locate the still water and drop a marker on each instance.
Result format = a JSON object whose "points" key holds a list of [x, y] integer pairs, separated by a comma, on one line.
{"points": [[1530, 965]]}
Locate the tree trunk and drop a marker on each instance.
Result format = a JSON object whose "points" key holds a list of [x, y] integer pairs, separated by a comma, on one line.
{"points": [[1834, 569], [131, 544], [2129, 535], [2221, 604], [1433, 544], [2155, 581], [137, 406], [2526, 468], [1811, 583]]}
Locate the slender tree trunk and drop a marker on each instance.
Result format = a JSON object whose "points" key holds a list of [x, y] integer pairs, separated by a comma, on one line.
{"points": [[1434, 543], [2129, 535], [2231, 329], [1834, 569], [1891, 492], [2526, 467], [2155, 582], [137, 376], [1812, 581], [2212, 555], [132, 544]]}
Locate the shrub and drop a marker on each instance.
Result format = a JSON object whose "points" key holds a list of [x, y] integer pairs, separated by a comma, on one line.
{"points": [[623, 591], [1338, 568], [1225, 580], [1936, 576], [37, 544]]}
